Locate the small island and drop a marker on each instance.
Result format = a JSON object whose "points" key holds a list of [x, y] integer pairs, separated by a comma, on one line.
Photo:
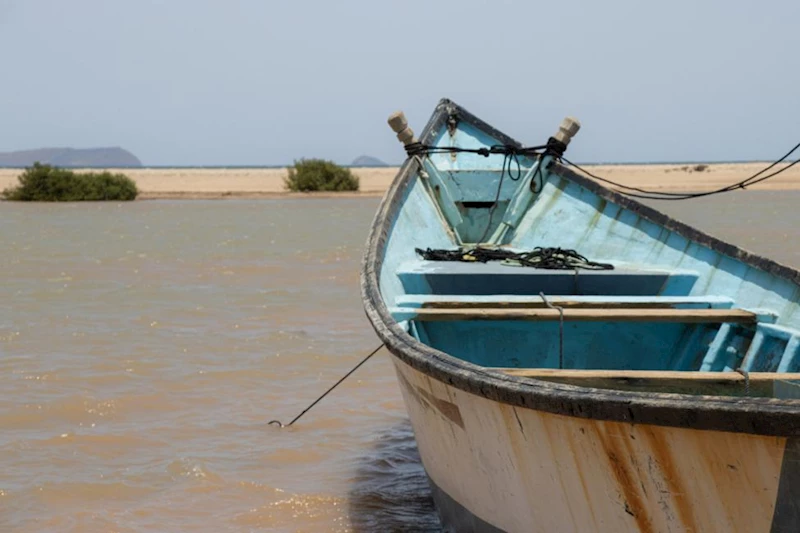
{"points": [[367, 161], [114, 157]]}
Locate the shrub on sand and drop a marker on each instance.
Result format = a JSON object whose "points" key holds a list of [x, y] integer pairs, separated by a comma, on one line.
{"points": [[309, 175], [44, 183]]}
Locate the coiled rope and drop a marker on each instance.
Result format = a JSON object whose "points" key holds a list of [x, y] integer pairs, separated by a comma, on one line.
{"points": [[539, 257]]}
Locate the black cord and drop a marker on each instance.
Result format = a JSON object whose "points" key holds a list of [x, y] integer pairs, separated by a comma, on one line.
{"points": [[315, 402], [661, 195], [511, 156], [556, 149], [537, 172], [418, 148]]}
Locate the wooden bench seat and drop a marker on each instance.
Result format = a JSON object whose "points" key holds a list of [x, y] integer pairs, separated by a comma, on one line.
{"points": [[617, 314], [510, 301]]}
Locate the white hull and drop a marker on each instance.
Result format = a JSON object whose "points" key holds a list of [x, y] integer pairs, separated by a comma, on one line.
{"points": [[506, 468]]}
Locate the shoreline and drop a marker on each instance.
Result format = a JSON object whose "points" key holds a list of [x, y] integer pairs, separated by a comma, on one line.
{"points": [[253, 195], [267, 183]]}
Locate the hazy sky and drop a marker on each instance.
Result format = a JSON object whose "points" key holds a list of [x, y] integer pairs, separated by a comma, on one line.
{"points": [[259, 82]]}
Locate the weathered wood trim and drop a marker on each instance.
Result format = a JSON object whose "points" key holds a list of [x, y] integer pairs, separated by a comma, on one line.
{"points": [[537, 303], [512, 301], [648, 374], [747, 415], [686, 316], [757, 384]]}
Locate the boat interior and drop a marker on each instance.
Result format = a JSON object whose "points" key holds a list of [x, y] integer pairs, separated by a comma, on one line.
{"points": [[673, 315]]}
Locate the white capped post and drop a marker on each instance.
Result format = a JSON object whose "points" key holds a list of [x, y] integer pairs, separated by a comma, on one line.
{"points": [[569, 127], [399, 124]]}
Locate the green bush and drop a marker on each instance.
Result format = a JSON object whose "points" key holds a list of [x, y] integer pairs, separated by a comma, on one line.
{"points": [[320, 175], [44, 183]]}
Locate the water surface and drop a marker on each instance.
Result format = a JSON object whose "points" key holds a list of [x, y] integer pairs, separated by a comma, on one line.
{"points": [[144, 347]]}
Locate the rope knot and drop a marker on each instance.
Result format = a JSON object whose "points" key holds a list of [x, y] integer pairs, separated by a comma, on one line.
{"points": [[416, 148], [555, 147]]}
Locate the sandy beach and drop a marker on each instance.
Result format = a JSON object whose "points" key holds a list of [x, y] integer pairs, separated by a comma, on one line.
{"points": [[208, 183]]}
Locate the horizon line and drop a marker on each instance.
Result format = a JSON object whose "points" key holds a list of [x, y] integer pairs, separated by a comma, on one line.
{"points": [[223, 166]]}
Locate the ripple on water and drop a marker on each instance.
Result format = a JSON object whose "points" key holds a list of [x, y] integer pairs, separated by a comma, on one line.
{"points": [[62, 493], [298, 512], [137, 397], [192, 468], [76, 411], [390, 491]]}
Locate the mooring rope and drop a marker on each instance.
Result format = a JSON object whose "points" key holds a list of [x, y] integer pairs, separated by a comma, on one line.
{"points": [[507, 160], [315, 402], [647, 194], [557, 149], [417, 148]]}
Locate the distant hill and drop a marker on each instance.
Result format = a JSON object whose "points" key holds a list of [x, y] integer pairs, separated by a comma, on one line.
{"points": [[367, 161], [71, 157]]}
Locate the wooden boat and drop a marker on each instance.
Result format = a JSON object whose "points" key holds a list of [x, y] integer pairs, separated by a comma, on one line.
{"points": [[655, 396]]}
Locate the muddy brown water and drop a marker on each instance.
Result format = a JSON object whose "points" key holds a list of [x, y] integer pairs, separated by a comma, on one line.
{"points": [[145, 346]]}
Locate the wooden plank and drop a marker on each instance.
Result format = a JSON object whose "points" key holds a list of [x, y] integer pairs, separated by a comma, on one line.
{"points": [[646, 374], [437, 301], [533, 304], [738, 316], [722, 387], [762, 384]]}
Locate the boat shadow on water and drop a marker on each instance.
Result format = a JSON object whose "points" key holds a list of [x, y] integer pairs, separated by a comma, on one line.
{"points": [[390, 490]]}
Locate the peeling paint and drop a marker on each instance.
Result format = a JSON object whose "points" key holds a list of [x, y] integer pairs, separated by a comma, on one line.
{"points": [[447, 409]]}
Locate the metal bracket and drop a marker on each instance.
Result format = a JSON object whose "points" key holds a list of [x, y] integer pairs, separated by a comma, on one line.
{"points": [[452, 123]]}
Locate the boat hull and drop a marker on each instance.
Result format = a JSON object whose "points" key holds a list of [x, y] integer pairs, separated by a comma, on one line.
{"points": [[498, 467], [506, 452]]}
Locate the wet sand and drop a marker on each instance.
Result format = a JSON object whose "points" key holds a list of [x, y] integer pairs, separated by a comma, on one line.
{"points": [[215, 183]]}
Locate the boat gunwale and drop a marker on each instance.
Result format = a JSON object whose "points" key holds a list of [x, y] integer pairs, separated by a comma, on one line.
{"points": [[763, 416]]}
